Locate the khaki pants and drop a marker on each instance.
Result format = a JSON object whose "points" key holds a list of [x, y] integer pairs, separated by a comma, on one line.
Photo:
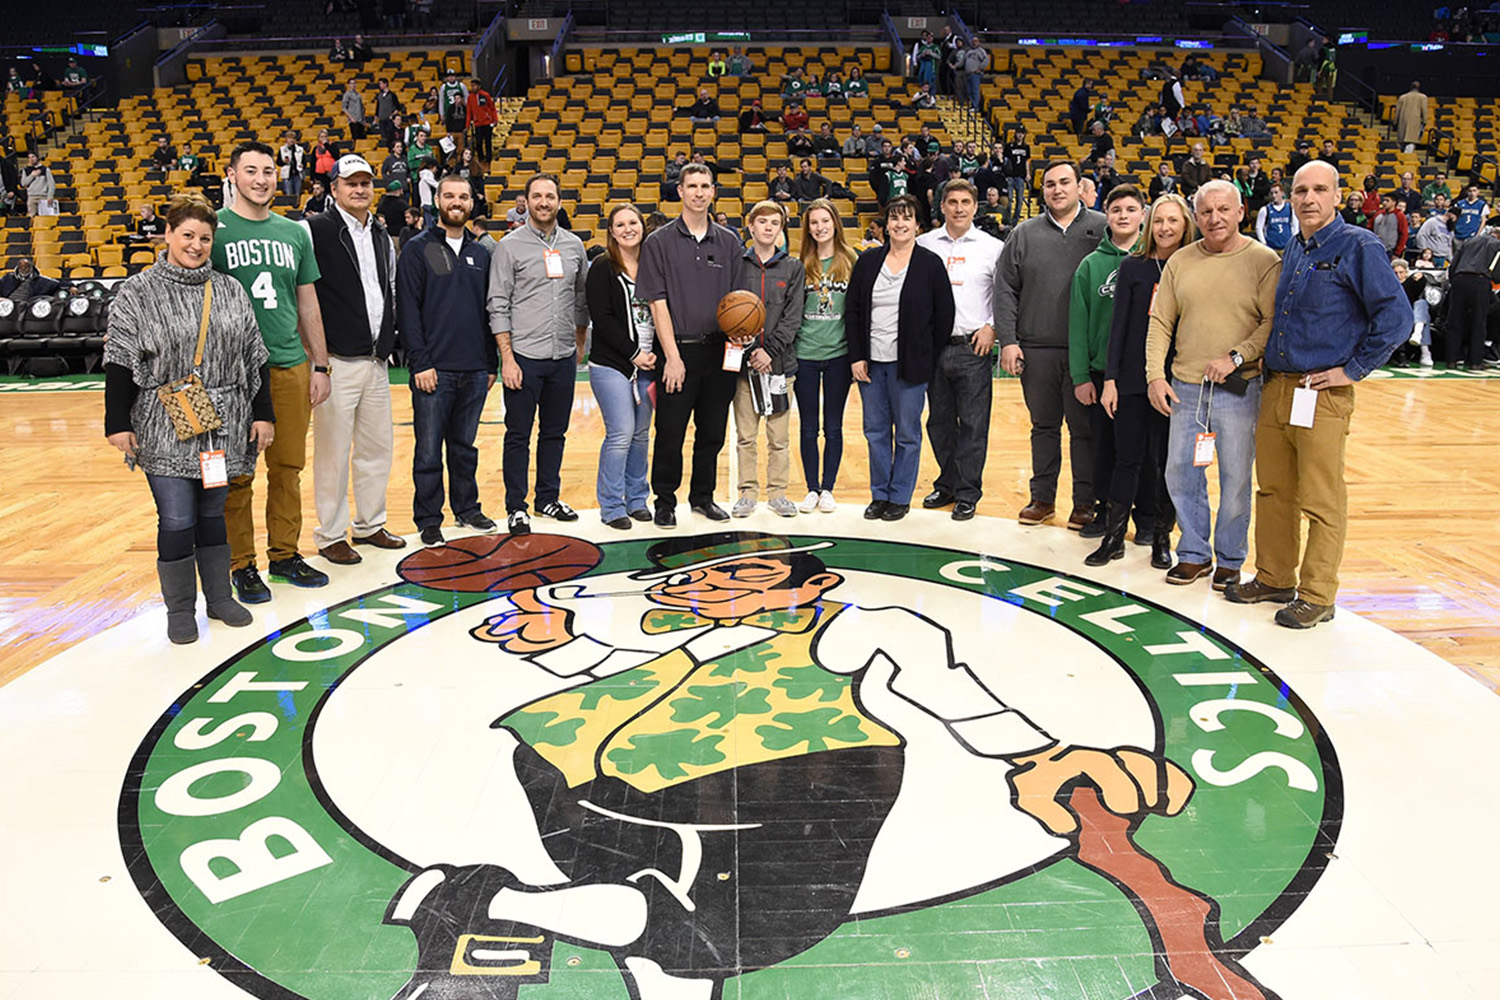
{"points": [[284, 462], [1301, 471], [356, 417], [778, 454]]}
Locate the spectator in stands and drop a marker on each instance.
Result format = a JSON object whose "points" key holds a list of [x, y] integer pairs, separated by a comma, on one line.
{"points": [[396, 168], [898, 317], [150, 227], [155, 319], [26, 283], [360, 52], [923, 99], [1391, 226], [471, 169], [1440, 205], [1439, 186], [1163, 182], [418, 151], [951, 48], [1257, 186], [723, 219], [1102, 142], [856, 144], [1307, 60], [826, 145], [833, 86], [387, 105], [413, 225], [686, 268], [925, 141], [1353, 211], [353, 107], [74, 75], [427, 191], [1273, 223], [1472, 211], [1299, 158], [795, 117], [1234, 124], [754, 118], [794, 86], [1436, 235], [780, 187], [974, 63], [1105, 179], [874, 235], [421, 12], [994, 207], [671, 175], [163, 157], [717, 65], [799, 143], [1032, 283], [40, 79], [925, 56], [189, 161], [1078, 107], [1148, 124], [1194, 68], [453, 108], [874, 142], [739, 63], [1414, 283], [1173, 101], [292, 166], [856, 85], [1016, 155], [1411, 117], [705, 110], [324, 154], [1214, 308], [1409, 197], [965, 160], [482, 119], [339, 53], [1329, 153], [809, 186], [393, 205], [15, 85], [318, 202], [516, 214], [38, 183], [1253, 126]]}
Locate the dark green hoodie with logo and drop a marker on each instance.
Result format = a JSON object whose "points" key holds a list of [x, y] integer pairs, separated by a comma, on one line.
{"points": [[1091, 306]]}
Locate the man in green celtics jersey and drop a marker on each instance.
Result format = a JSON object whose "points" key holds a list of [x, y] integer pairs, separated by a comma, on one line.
{"points": [[453, 107], [273, 258]]}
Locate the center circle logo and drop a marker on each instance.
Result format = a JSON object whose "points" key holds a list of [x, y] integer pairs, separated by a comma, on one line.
{"points": [[777, 766]]}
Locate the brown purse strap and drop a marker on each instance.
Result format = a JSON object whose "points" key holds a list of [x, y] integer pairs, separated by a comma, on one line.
{"points": [[208, 298]]}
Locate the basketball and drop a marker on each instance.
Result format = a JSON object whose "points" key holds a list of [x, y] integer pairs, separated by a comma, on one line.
{"points": [[742, 315], [484, 563]]}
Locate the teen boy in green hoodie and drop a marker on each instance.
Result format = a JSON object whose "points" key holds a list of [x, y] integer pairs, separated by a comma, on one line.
{"points": [[1091, 307]]}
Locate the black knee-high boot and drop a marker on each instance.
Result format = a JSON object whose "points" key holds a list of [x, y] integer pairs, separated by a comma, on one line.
{"points": [[1116, 522]]}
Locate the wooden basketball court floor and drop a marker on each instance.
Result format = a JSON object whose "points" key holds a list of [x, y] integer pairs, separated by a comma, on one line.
{"points": [[77, 530]]}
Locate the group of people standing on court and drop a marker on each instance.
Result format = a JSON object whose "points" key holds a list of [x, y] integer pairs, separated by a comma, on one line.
{"points": [[1150, 345]]}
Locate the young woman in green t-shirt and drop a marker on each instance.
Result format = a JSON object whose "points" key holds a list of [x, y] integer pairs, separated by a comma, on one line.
{"points": [[823, 351]]}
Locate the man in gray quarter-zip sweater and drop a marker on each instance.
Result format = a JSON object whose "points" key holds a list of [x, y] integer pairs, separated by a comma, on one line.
{"points": [[1032, 283]]}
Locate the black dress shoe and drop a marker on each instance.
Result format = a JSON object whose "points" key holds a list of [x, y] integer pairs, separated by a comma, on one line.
{"points": [[620, 524], [936, 499], [640, 514], [876, 510], [711, 510], [963, 510], [894, 511], [666, 517]]}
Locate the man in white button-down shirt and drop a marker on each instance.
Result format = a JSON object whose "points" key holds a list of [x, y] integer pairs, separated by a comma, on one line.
{"points": [[354, 429], [958, 397]]}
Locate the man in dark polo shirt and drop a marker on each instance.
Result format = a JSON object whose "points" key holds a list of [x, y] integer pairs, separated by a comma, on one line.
{"points": [[686, 268]]}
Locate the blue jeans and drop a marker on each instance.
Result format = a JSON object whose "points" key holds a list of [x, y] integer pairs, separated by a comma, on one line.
{"points": [[834, 377], [1015, 188], [446, 418], [1232, 420], [972, 80], [187, 515], [546, 399], [292, 186], [893, 428], [622, 486]]}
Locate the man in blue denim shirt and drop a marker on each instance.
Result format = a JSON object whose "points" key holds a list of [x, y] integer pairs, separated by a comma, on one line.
{"points": [[1340, 312]]}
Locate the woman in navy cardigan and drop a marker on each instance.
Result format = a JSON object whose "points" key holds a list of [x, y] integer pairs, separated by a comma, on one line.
{"points": [[898, 315]]}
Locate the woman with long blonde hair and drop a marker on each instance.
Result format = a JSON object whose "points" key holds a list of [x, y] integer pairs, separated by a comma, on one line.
{"points": [[823, 351], [1139, 478]]}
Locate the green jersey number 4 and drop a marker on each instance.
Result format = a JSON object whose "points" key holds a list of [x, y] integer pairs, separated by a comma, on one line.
{"points": [[264, 290]]}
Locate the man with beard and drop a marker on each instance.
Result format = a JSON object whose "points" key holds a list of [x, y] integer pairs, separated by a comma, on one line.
{"points": [[441, 282], [273, 258], [357, 272], [539, 316]]}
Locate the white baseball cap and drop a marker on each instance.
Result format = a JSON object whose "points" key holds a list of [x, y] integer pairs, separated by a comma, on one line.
{"points": [[348, 166]]}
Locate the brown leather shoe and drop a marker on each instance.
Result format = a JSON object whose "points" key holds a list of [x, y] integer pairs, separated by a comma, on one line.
{"points": [[1037, 512], [1224, 577], [1256, 592], [1082, 516], [1186, 572], [1301, 614], [382, 539], [340, 554]]}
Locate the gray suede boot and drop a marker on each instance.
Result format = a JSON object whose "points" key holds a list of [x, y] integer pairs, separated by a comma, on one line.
{"points": [[213, 573], [179, 590]]}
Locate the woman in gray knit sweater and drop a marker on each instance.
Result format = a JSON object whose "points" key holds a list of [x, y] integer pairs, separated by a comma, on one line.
{"points": [[153, 334]]}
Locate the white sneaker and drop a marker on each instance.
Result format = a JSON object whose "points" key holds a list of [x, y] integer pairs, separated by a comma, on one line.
{"points": [[743, 507], [783, 507], [809, 503], [826, 503], [1426, 361]]}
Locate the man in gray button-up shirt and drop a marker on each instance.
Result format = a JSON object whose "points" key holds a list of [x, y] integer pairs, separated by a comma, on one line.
{"points": [[539, 317]]}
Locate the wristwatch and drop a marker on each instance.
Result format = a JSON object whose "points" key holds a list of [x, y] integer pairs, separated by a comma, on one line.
{"points": [[320, 369], [1237, 358]]}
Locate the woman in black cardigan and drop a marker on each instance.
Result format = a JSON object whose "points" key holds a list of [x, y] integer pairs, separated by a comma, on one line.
{"points": [[621, 366], [1140, 432], [898, 315]]}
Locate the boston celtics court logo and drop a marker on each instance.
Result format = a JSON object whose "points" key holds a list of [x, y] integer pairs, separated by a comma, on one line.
{"points": [[732, 764]]}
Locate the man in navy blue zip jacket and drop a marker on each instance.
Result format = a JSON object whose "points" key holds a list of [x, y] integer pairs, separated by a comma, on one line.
{"points": [[441, 282]]}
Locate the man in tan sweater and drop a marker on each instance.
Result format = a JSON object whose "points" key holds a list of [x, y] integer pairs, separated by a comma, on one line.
{"points": [[1214, 306]]}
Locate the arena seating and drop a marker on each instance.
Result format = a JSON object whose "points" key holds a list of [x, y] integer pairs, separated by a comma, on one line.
{"points": [[20, 116], [1080, 17], [1473, 124]]}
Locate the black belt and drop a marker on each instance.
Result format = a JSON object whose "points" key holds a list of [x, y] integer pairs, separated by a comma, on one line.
{"points": [[697, 338], [960, 338]]}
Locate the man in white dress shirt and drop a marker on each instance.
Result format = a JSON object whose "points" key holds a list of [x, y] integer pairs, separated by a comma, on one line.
{"points": [[958, 397]]}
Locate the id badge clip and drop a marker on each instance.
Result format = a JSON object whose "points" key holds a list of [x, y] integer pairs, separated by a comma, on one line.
{"points": [[212, 468], [1304, 406], [554, 263], [734, 357]]}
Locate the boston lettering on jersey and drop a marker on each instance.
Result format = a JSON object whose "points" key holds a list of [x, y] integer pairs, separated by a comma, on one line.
{"points": [[260, 253]]}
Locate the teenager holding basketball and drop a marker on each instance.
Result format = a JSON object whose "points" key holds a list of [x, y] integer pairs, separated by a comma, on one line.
{"points": [[823, 351], [899, 315]]}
